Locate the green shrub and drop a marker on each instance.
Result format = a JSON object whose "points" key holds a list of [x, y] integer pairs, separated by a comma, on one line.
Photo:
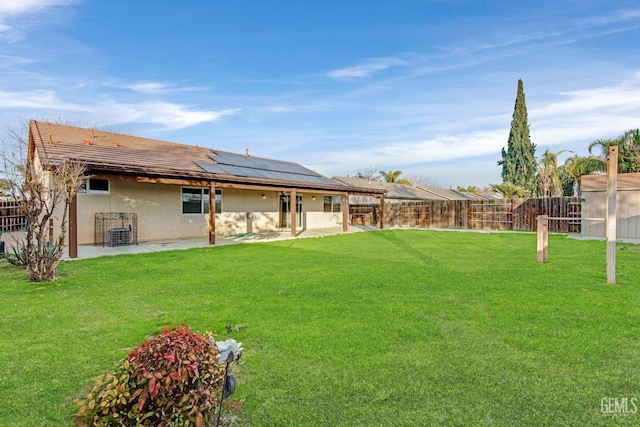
{"points": [[173, 379], [18, 257]]}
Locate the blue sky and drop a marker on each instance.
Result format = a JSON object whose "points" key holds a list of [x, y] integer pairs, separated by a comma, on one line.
{"points": [[423, 86]]}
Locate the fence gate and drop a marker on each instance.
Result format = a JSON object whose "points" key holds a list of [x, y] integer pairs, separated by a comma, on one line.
{"points": [[116, 229]]}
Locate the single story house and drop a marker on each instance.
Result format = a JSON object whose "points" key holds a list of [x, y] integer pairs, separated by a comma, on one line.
{"points": [[593, 190], [164, 190]]}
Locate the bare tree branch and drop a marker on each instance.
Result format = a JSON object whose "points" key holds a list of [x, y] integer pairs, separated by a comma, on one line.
{"points": [[43, 194]]}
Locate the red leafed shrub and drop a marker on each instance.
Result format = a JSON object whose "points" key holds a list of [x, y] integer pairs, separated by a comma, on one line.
{"points": [[173, 379]]}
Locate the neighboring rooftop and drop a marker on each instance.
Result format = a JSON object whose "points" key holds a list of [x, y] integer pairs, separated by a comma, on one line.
{"points": [[401, 192], [447, 193]]}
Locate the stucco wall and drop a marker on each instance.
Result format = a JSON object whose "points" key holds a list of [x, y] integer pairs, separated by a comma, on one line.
{"points": [[159, 211]]}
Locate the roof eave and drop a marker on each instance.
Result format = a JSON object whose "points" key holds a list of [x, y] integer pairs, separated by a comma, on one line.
{"points": [[132, 170]]}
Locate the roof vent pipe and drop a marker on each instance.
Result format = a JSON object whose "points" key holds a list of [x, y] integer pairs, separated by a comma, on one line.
{"points": [[246, 153]]}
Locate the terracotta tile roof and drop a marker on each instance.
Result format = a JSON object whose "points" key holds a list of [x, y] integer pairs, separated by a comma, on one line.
{"points": [[108, 152]]}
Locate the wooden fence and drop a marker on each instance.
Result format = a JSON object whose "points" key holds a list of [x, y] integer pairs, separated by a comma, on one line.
{"points": [[505, 214], [11, 218]]}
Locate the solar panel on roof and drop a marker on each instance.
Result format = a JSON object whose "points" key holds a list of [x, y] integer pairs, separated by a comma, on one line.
{"points": [[239, 160], [209, 167], [227, 169], [262, 173], [233, 170]]}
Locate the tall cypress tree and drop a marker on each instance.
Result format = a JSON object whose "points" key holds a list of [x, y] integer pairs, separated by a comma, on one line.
{"points": [[518, 161]]}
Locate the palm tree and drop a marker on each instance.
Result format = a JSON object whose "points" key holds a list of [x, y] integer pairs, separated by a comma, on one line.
{"points": [[549, 174], [628, 150], [394, 177], [509, 190], [469, 189], [576, 166]]}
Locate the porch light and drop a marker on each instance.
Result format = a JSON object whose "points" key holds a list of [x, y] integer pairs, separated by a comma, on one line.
{"points": [[264, 196]]}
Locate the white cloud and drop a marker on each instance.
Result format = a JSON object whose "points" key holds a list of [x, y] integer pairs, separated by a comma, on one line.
{"points": [[167, 114], [37, 100], [8, 61], [367, 68], [151, 87], [616, 17], [280, 109], [403, 154], [589, 114], [16, 7], [570, 120], [607, 98], [11, 9]]}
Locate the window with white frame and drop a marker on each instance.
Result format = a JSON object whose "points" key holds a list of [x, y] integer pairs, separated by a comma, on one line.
{"points": [[94, 186], [332, 203], [196, 200]]}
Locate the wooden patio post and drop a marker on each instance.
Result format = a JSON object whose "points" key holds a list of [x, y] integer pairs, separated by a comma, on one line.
{"points": [[294, 207], [612, 192], [381, 212], [212, 213], [51, 231], [543, 237], [345, 213], [73, 227]]}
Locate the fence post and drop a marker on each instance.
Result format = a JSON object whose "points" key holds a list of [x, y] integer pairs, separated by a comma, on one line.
{"points": [[73, 227], [381, 212], [612, 192], [543, 237]]}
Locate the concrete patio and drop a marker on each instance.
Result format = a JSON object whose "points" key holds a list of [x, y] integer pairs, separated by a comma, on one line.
{"points": [[92, 251]]}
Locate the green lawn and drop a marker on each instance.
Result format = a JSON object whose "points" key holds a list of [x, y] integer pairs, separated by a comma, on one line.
{"points": [[384, 328]]}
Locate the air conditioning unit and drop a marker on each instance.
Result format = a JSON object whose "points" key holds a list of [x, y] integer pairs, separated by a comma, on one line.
{"points": [[119, 237]]}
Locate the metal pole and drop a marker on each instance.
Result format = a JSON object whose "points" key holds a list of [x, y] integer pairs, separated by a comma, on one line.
{"points": [[226, 373]]}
